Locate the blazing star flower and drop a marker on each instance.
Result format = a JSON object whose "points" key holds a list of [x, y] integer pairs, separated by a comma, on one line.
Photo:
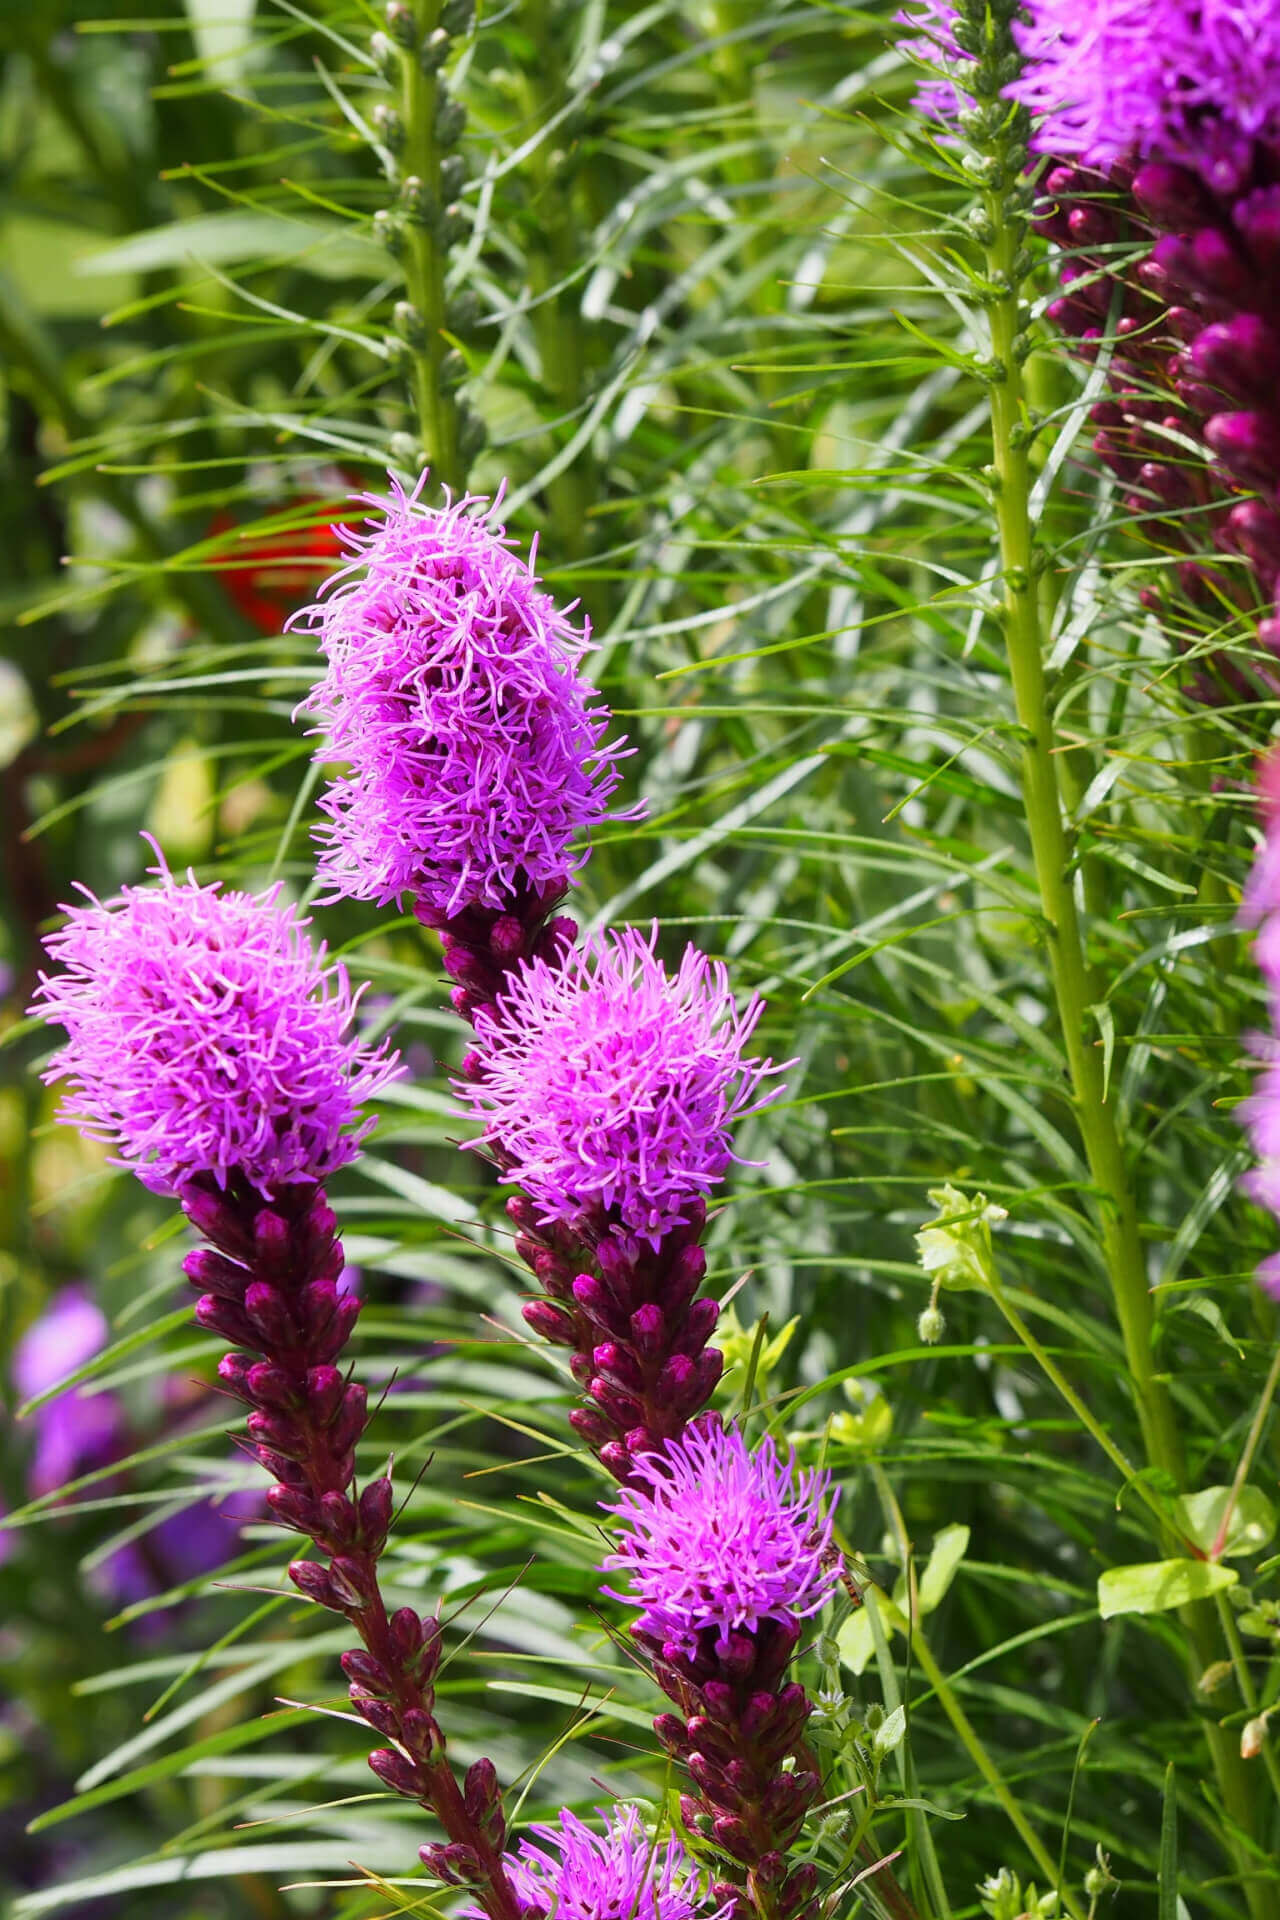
{"points": [[716, 1535], [933, 42], [1194, 82], [473, 750], [607, 1083], [620, 1874], [205, 1036]]}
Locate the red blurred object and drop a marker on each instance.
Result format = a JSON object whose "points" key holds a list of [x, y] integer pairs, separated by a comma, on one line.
{"points": [[278, 571]]}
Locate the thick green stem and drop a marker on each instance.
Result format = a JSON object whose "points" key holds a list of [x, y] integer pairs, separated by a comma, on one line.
{"points": [[1051, 855], [424, 253], [554, 254]]}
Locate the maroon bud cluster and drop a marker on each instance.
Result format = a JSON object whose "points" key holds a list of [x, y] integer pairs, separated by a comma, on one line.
{"points": [[738, 1720], [269, 1282], [1196, 365], [635, 1321], [483, 944]]}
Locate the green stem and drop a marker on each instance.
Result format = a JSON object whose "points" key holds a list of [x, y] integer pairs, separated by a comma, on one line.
{"points": [[970, 1740], [966, 1732], [1005, 226], [554, 254], [425, 254]]}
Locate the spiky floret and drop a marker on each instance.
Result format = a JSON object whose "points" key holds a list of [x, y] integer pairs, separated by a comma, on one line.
{"points": [[1195, 82], [618, 1874], [206, 1036], [714, 1534], [610, 1087], [473, 751]]}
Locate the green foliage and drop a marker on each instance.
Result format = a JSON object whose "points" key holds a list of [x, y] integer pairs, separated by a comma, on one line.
{"points": [[722, 316]]}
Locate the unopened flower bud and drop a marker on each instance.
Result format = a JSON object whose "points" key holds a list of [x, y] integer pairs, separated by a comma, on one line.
{"points": [[931, 1326]]}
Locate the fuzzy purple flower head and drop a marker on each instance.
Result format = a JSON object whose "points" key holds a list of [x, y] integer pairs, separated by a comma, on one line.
{"points": [[608, 1084], [206, 1036], [473, 751], [716, 1535], [1194, 82], [620, 1874]]}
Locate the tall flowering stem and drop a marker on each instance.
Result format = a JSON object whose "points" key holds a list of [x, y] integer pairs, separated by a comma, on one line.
{"points": [[609, 1089], [998, 132], [728, 1551], [209, 1043], [418, 137]]}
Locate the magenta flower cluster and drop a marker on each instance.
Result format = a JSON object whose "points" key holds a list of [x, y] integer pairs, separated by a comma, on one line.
{"points": [[620, 1873], [715, 1534], [206, 1036], [474, 752], [1195, 82], [609, 1086]]}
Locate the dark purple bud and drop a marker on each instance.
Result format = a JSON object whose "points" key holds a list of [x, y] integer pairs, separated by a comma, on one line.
{"points": [[1257, 220], [684, 1276], [320, 1227], [315, 1583], [582, 1368], [480, 1789], [233, 1370], [268, 1314], [711, 1778], [621, 1408], [740, 1655], [598, 1304], [281, 1467], [1249, 444], [326, 1343], [271, 1239], [350, 1579], [376, 1501], [799, 1888], [352, 1419], [1171, 196], [649, 1330], [670, 1729], [719, 1701], [770, 1868], [277, 1432], [366, 1671], [699, 1325], [212, 1215], [506, 938], [1206, 262], [324, 1393], [422, 1736], [617, 1364], [1241, 356], [338, 1519], [456, 1865], [671, 1389], [380, 1714], [406, 1632], [221, 1317], [398, 1773], [709, 1367], [271, 1386], [1254, 530], [214, 1273], [616, 1458], [732, 1836], [550, 1322], [523, 1215], [590, 1426], [293, 1508]]}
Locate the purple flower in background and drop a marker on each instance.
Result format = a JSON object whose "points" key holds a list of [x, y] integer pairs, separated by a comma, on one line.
{"points": [[620, 1874], [75, 1432], [714, 1534], [1260, 1113], [1195, 82], [206, 1036], [474, 752], [608, 1084], [933, 42]]}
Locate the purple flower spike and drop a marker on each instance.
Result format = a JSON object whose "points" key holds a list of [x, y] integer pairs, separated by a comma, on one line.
{"points": [[1189, 81], [608, 1084], [206, 1037], [620, 1874], [473, 750], [715, 1535]]}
